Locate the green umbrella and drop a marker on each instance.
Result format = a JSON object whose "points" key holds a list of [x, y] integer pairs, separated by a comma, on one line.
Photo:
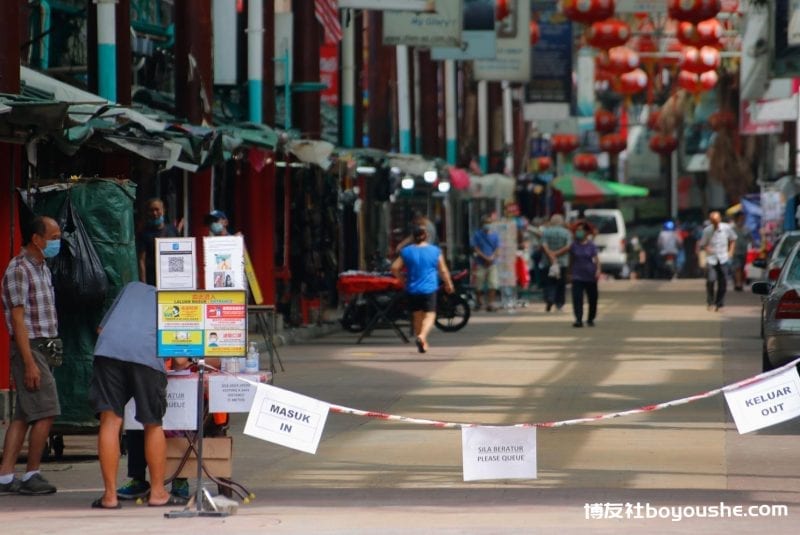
{"points": [[627, 190], [582, 190]]}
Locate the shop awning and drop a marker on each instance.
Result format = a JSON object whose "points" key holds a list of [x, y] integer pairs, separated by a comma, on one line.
{"points": [[23, 118]]}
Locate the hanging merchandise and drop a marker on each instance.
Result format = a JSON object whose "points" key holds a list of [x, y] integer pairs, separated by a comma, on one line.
{"points": [[613, 143], [618, 60], [705, 33], [564, 142], [699, 60], [79, 279], [632, 82], [663, 144], [608, 33], [585, 162], [587, 11], [605, 121], [693, 10]]}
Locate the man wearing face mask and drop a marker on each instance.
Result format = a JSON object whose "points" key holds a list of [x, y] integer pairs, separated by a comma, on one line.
{"points": [[154, 227], [29, 305], [217, 223], [485, 246]]}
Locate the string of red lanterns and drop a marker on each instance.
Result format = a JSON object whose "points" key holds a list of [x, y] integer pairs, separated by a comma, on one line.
{"points": [[587, 11]]}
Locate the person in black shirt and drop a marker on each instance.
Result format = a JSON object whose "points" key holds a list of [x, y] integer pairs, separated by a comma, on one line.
{"points": [[154, 227]]}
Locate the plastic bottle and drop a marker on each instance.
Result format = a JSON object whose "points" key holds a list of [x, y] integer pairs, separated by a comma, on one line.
{"points": [[252, 362]]}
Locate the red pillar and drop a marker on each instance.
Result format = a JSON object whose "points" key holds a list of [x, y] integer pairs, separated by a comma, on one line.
{"points": [[258, 217], [10, 158], [124, 52], [307, 38]]}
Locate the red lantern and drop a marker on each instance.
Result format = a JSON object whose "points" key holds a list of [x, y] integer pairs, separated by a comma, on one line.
{"points": [[501, 10], [693, 10], [535, 32], [699, 60], [613, 143], [618, 60], [608, 33], [722, 120], [564, 142], [663, 144], [543, 163], [585, 162], [588, 11], [632, 82], [697, 83], [605, 121], [708, 80], [710, 32]]}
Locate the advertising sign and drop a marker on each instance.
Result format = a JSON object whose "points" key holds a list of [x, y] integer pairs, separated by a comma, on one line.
{"points": [[442, 28], [478, 37], [512, 61], [201, 324], [551, 57]]}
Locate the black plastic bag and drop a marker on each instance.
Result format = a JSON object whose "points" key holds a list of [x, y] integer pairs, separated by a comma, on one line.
{"points": [[79, 279]]}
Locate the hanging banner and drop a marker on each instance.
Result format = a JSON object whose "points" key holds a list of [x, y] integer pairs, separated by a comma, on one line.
{"points": [[442, 28], [478, 36], [201, 324], [551, 57], [175, 264], [512, 62], [766, 403], [286, 418], [224, 262], [498, 453]]}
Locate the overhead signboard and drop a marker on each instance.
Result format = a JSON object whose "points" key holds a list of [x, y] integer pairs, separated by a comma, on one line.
{"points": [[551, 57], [389, 5], [478, 36], [512, 62], [442, 28]]}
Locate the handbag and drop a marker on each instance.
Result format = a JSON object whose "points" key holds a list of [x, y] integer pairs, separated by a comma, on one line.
{"points": [[554, 271]]}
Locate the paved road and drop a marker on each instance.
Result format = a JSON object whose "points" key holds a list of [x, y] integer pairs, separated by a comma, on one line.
{"points": [[654, 341]]}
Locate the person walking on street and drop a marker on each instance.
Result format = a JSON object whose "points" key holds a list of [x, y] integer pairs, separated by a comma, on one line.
{"points": [[30, 312], [556, 240], [585, 271], [718, 242], [486, 245], [743, 240], [424, 265]]}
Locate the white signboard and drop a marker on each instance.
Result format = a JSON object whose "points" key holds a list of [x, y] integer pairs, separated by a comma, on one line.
{"points": [[286, 418], [499, 453], [228, 393], [389, 5], [766, 403], [442, 28], [512, 62], [224, 262], [175, 264], [181, 412]]}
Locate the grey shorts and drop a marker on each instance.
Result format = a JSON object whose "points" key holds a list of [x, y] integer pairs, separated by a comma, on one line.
{"points": [[41, 403]]}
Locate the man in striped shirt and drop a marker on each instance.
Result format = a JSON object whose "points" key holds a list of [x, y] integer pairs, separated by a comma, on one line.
{"points": [[29, 305]]}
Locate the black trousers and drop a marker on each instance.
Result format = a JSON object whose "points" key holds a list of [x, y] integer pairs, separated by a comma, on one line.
{"points": [[716, 275], [578, 289], [134, 444]]}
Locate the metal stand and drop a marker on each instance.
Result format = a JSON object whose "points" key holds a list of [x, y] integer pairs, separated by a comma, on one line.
{"points": [[200, 492]]}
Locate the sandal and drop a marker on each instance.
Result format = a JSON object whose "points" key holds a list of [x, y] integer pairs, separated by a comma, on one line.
{"points": [[98, 504]]}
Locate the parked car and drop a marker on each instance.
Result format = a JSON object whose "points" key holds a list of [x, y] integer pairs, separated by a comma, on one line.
{"points": [[610, 239], [779, 253], [781, 313]]}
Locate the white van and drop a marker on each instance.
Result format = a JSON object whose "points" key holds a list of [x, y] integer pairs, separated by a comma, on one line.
{"points": [[610, 240]]}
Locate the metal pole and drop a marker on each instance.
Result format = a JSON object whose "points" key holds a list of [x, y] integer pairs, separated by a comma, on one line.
{"points": [[255, 59], [508, 129], [450, 98], [417, 103], [673, 186], [107, 49], [348, 81], [483, 125], [403, 99]]}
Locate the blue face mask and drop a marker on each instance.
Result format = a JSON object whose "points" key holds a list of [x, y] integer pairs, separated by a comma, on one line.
{"points": [[579, 234], [157, 222], [52, 248], [216, 228]]}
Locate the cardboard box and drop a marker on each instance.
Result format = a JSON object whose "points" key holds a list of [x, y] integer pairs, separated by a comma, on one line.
{"points": [[217, 457]]}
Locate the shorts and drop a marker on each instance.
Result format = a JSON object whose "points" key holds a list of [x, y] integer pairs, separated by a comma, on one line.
{"points": [[42, 403], [738, 261], [486, 277], [115, 382], [421, 302]]}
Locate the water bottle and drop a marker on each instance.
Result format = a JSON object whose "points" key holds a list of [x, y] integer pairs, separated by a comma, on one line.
{"points": [[252, 362]]}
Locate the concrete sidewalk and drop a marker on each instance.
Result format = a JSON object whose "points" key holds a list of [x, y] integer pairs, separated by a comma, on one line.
{"points": [[654, 342]]}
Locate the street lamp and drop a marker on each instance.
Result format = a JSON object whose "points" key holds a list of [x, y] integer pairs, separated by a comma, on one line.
{"points": [[430, 176], [407, 183], [444, 187]]}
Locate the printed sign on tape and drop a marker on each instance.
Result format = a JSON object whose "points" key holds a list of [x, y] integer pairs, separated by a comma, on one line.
{"points": [[499, 453], [766, 403], [286, 418]]}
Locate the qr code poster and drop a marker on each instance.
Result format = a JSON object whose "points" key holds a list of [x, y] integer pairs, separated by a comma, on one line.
{"points": [[175, 264]]}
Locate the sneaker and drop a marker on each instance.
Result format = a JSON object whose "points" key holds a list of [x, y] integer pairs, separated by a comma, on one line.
{"points": [[577, 324], [133, 489], [36, 485], [10, 488], [180, 488]]}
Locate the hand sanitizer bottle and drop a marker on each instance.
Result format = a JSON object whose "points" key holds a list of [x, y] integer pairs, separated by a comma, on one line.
{"points": [[252, 362]]}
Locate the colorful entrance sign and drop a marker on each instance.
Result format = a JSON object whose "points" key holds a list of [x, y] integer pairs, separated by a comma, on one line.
{"points": [[202, 324]]}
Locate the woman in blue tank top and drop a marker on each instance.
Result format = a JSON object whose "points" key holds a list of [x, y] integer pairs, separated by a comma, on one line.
{"points": [[423, 264]]}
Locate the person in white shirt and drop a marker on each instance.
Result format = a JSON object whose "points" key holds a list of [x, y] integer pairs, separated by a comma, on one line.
{"points": [[718, 241]]}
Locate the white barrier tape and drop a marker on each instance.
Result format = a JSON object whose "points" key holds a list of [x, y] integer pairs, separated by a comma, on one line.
{"points": [[647, 408]]}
